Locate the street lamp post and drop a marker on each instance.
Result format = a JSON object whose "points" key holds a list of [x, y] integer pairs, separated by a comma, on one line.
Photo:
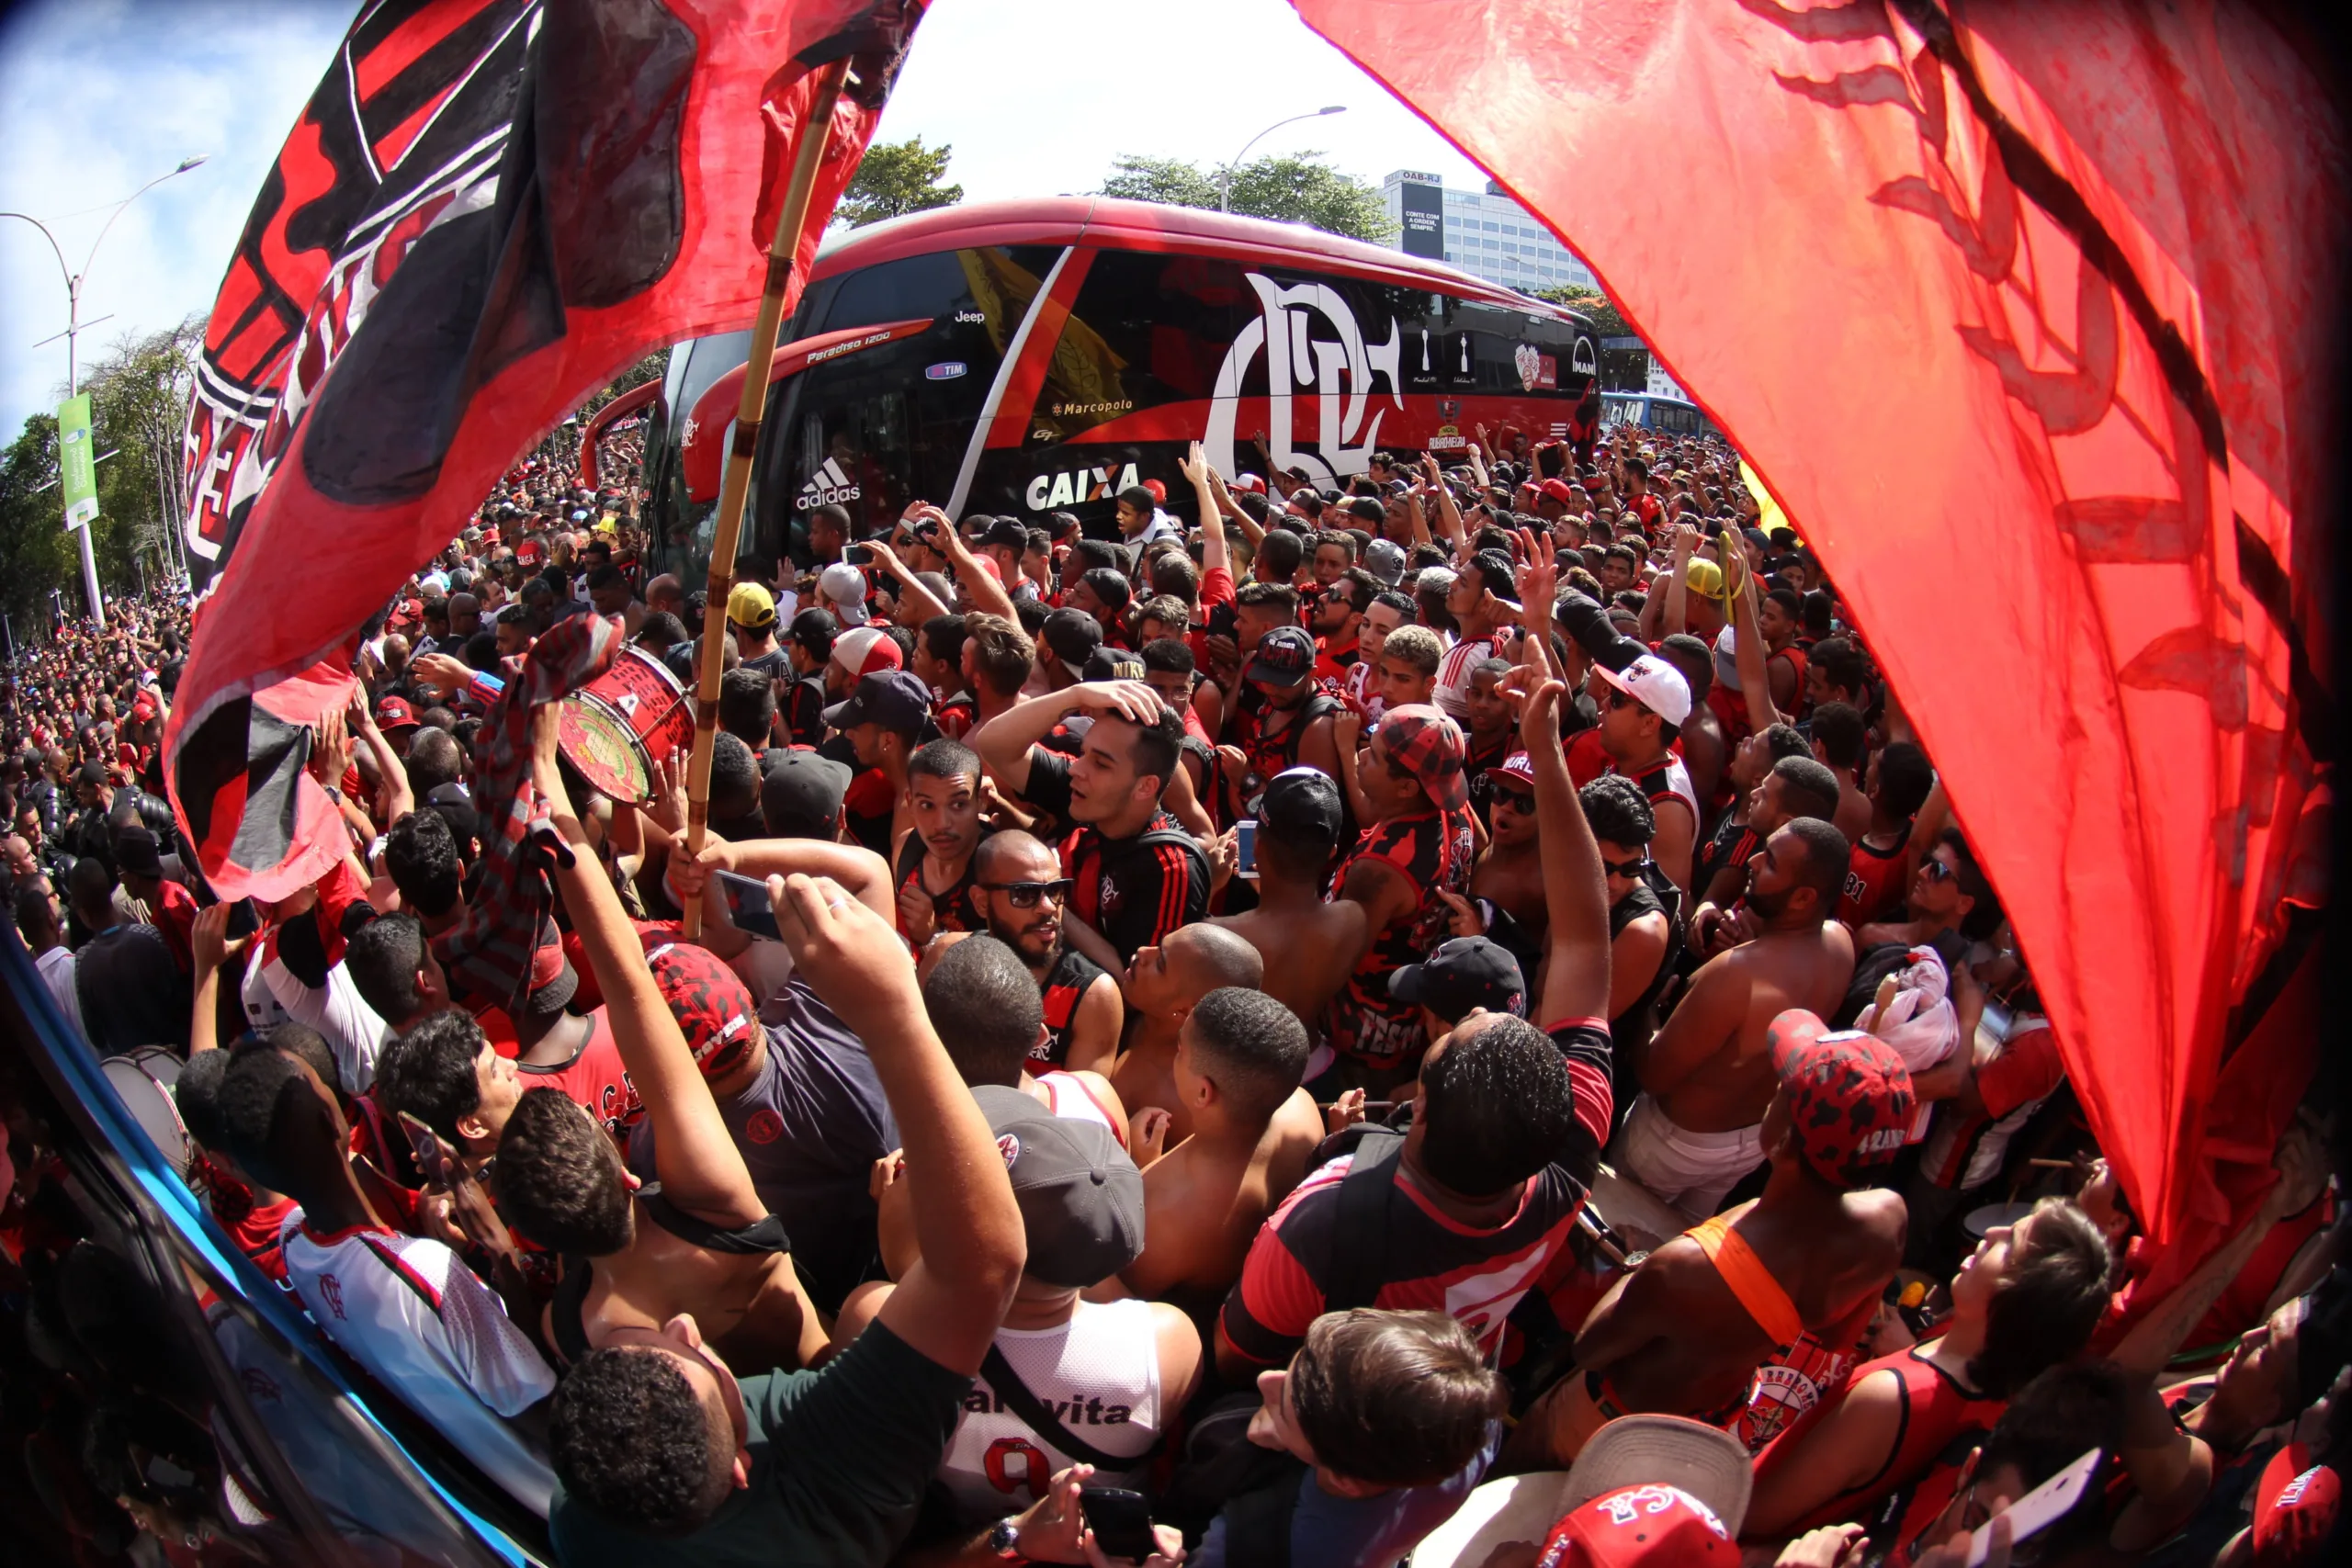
{"points": [[1225, 175], [74, 282]]}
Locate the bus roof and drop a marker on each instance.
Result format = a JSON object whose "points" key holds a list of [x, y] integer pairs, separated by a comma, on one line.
{"points": [[1153, 226]]}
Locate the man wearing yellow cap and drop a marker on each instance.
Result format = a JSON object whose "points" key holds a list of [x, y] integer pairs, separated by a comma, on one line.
{"points": [[751, 614]]}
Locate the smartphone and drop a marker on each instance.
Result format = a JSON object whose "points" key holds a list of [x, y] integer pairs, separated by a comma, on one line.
{"points": [[1120, 1520], [858, 554], [747, 904], [2038, 1509], [1245, 836]]}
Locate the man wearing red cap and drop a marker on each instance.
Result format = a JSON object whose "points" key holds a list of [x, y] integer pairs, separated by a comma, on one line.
{"points": [[1685, 1332]]}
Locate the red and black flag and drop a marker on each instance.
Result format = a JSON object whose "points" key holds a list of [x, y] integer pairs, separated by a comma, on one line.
{"points": [[2051, 408], [488, 209]]}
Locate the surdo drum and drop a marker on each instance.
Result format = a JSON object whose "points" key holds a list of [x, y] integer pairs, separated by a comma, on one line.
{"points": [[613, 728]]}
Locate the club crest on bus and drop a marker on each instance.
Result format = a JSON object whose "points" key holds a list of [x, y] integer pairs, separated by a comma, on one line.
{"points": [[1296, 356]]}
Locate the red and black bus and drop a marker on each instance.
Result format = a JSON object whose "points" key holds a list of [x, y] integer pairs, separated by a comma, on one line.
{"points": [[1019, 359]]}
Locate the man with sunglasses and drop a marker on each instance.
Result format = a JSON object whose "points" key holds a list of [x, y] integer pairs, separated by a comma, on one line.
{"points": [[1138, 874], [1019, 891], [1335, 618]]}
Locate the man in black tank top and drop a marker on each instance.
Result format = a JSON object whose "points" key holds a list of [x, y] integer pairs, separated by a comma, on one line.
{"points": [[1018, 894]]}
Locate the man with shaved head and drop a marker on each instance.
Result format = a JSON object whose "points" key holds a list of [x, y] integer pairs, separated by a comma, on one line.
{"points": [[1164, 985], [1019, 890]]}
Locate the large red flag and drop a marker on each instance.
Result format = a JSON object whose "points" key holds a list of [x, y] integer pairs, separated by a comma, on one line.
{"points": [[488, 209], [2019, 311]]}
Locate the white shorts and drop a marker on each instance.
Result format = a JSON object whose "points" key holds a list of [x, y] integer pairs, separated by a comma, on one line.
{"points": [[1690, 1171]]}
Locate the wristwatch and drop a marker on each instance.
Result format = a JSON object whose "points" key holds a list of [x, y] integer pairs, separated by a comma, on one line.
{"points": [[1004, 1539]]}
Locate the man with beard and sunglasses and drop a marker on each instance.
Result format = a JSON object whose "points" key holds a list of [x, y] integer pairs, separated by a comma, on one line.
{"points": [[1019, 891], [1708, 1076]]}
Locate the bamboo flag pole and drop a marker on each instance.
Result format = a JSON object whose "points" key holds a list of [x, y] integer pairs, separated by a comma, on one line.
{"points": [[736, 483]]}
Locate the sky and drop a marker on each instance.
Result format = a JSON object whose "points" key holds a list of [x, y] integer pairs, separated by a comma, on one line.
{"points": [[1037, 98]]}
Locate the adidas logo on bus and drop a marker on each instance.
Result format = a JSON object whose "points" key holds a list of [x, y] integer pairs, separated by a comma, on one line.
{"points": [[828, 485]]}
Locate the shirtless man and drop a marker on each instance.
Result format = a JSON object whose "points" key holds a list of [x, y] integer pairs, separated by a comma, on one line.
{"points": [[1707, 1075], [1240, 1057], [1684, 1332], [1308, 943], [1164, 985]]}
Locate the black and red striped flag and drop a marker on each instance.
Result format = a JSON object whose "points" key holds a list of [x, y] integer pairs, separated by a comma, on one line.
{"points": [[488, 209]]}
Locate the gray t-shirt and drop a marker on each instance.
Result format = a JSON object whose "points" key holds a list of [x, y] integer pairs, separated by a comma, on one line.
{"points": [[810, 1127]]}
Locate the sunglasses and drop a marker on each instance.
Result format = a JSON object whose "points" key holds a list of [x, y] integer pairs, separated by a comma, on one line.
{"points": [[1936, 871], [1024, 894], [1618, 699], [1519, 800], [1625, 867]]}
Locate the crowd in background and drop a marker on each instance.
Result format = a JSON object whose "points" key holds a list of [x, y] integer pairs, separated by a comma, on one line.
{"points": [[1445, 1015]]}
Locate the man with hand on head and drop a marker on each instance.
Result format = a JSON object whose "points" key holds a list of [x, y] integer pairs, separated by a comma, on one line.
{"points": [[1138, 875]]}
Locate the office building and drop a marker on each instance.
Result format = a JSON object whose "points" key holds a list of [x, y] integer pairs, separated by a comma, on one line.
{"points": [[1484, 233]]}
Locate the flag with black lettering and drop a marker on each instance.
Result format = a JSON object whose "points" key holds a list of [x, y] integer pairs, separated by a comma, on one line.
{"points": [[488, 209]]}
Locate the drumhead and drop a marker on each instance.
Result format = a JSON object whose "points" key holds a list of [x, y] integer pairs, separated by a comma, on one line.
{"points": [[151, 1105]]}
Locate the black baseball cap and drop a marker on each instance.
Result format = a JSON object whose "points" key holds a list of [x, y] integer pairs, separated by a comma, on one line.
{"points": [[1301, 804], [1006, 531], [800, 798], [897, 700], [1465, 972], [136, 851], [1072, 636], [1081, 1196], [1285, 656], [1114, 664]]}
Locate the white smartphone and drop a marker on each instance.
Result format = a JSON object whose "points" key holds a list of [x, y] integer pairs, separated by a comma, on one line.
{"points": [[1245, 836], [2038, 1509]]}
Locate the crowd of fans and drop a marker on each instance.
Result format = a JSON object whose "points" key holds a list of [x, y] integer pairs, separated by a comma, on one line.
{"points": [[1447, 1018]]}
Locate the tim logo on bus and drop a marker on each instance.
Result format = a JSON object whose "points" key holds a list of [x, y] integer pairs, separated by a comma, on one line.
{"points": [[1297, 330]]}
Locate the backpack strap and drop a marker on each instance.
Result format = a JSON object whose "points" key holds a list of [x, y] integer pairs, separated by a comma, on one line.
{"points": [[1040, 1418], [1359, 1236]]}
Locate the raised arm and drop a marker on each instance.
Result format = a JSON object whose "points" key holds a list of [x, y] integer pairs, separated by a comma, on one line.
{"points": [[969, 1227], [1575, 975], [988, 594], [1209, 500], [700, 1168], [1747, 651], [862, 874], [910, 587], [1004, 742]]}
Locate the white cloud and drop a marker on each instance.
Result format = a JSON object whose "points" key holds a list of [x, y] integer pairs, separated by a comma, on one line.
{"points": [[1037, 98]]}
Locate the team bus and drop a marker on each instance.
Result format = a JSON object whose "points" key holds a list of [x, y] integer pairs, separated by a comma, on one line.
{"points": [[1022, 358], [1650, 410]]}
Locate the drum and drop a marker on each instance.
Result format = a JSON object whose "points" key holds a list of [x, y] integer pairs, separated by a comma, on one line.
{"points": [[612, 728], [143, 1081], [1981, 1221]]}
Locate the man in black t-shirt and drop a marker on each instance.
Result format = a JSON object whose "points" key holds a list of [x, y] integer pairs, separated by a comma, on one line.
{"points": [[1138, 875]]}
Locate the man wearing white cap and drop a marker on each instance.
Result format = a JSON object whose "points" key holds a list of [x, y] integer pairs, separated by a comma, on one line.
{"points": [[1642, 709]]}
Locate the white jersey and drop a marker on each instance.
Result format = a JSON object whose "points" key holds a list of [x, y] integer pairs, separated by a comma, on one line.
{"points": [[407, 1309], [273, 994], [1453, 690], [1068, 1097], [1099, 1373], [56, 968]]}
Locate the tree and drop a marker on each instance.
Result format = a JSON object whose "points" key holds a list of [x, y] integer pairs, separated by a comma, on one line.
{"points": [[1592, 304], [36, 554], [895, 178], [1300, 188]]}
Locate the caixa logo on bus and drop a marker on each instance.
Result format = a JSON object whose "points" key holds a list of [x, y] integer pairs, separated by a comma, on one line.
{"points": [[1073, 486], [1310, 338]]}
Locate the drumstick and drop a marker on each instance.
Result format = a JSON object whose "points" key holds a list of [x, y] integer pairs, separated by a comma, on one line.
{"points": [[736, 482]]}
